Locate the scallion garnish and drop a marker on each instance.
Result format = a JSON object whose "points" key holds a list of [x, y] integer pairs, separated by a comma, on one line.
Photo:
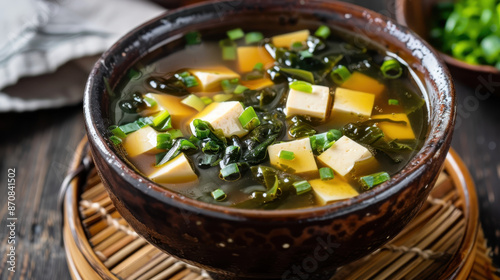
{"points": [[393, 102], [228, 86], [301, 86], [175, 133], [222, 97], [129, 128], [286, 155], [340, 74], [219, 195], [194, 101], [323, 141], [142, 122], [201, 128], [249, 119], [229, 170], [115, 139], [161, 119], [193, 38], [150, 102], [391, 69], [235, 34], [240, 89], [372, 180], [118, 132], [164, 141], [207, 100], [326, 173], [323, 32], [211, 147], [228, 49], [259, 66], [253, 37], [305, 54], [302, 187], [187, 79]]}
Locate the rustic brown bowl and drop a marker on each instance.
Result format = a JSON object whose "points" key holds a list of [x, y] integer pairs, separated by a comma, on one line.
{"points": [[257, 244], [415, 14]]}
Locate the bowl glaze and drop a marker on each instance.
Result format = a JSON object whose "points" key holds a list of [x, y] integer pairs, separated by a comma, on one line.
{"points": [[280, 244], [415, 15]]}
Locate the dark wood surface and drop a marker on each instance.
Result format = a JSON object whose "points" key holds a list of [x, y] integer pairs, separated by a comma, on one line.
{"points": [[40, 146]]}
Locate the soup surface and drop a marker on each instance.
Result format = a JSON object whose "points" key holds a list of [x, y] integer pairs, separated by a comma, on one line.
{"points": [[290, 120]]}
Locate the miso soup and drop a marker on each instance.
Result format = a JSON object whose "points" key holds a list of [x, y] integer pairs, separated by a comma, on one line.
{"points": [[254, 120]]}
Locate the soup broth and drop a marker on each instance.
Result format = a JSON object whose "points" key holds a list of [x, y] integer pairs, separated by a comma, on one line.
{"points": [[269, 121]]}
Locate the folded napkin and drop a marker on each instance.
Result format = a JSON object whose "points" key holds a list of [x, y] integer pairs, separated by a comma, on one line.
{"points": [[50, 41]]}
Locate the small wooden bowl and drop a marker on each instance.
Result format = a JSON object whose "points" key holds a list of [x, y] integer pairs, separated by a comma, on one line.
{"points": [[415, 15]]}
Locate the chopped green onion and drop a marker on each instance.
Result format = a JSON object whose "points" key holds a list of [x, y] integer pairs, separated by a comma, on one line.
{"points": [[249, 119], [194, 101], [302, 187], [326, 173], [372, 180], [142, 122], [286, 155], [222, 97], [115, 139], [228, 49], [299, 74], [240, 89], [118, 132], [129, 128], [193, 38], [219, 195], [301, 86], [259, 66], [253, 37], [164, 141], [211, 147], [391, 69], [179, 146], [176, 133], [297, 46], [235, 34], [160, 118], [187, 79], [322, 32], [228, 86], [150, 102], [305, 54], [207, 100], [393, 102], [201, 128], [323, 141], [229, 170], [340, 74]]}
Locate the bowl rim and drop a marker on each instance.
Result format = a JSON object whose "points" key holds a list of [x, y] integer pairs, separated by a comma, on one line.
{"points": [[402, 6], [437, 141]]}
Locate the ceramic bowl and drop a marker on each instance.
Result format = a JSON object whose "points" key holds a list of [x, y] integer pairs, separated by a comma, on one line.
{"points": [[415, 15], [258, 244]]}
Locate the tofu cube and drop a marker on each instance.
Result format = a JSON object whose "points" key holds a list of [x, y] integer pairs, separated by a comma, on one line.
{"points": [[140, 142], [176, 171], [286, 40], [224, 116], [248, 56], [332, 190], [315, 104], [361, 82], [258, 84], [303, 163], [343, 154], [178, 111], [396, 130], [210, 78], [351, 106]]}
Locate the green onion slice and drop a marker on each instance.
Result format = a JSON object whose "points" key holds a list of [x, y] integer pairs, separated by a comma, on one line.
{"points": [[235, 34], [207, 100], [229, 170], [249, 119], [219, 195], [340, 74], [150, 102], [391, 69], [286, 155], [194, 101], [164, 141], [222, 97], [193, 38], [259, 66], [129, 128], [115, 139], [372, 180], [175, 133], [393, 102], [326, 173], [301, 86], [228, 49], [240, 89], [323, 32], [160, 118], [228, 86], [118, 132], [253, 37], [302, 187]]}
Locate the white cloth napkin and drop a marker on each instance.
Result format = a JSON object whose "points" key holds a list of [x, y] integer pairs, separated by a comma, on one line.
{"points": [[50, 41]]}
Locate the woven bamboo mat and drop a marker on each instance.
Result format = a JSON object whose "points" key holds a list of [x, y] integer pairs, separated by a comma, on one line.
{"points": [[439, 243]]}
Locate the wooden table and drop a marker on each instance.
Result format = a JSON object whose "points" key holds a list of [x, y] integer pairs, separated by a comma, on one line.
{"points": [[39, 145]]}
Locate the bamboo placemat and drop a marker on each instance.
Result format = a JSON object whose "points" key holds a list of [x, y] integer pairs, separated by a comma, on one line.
{"points": [[439, 243]]}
